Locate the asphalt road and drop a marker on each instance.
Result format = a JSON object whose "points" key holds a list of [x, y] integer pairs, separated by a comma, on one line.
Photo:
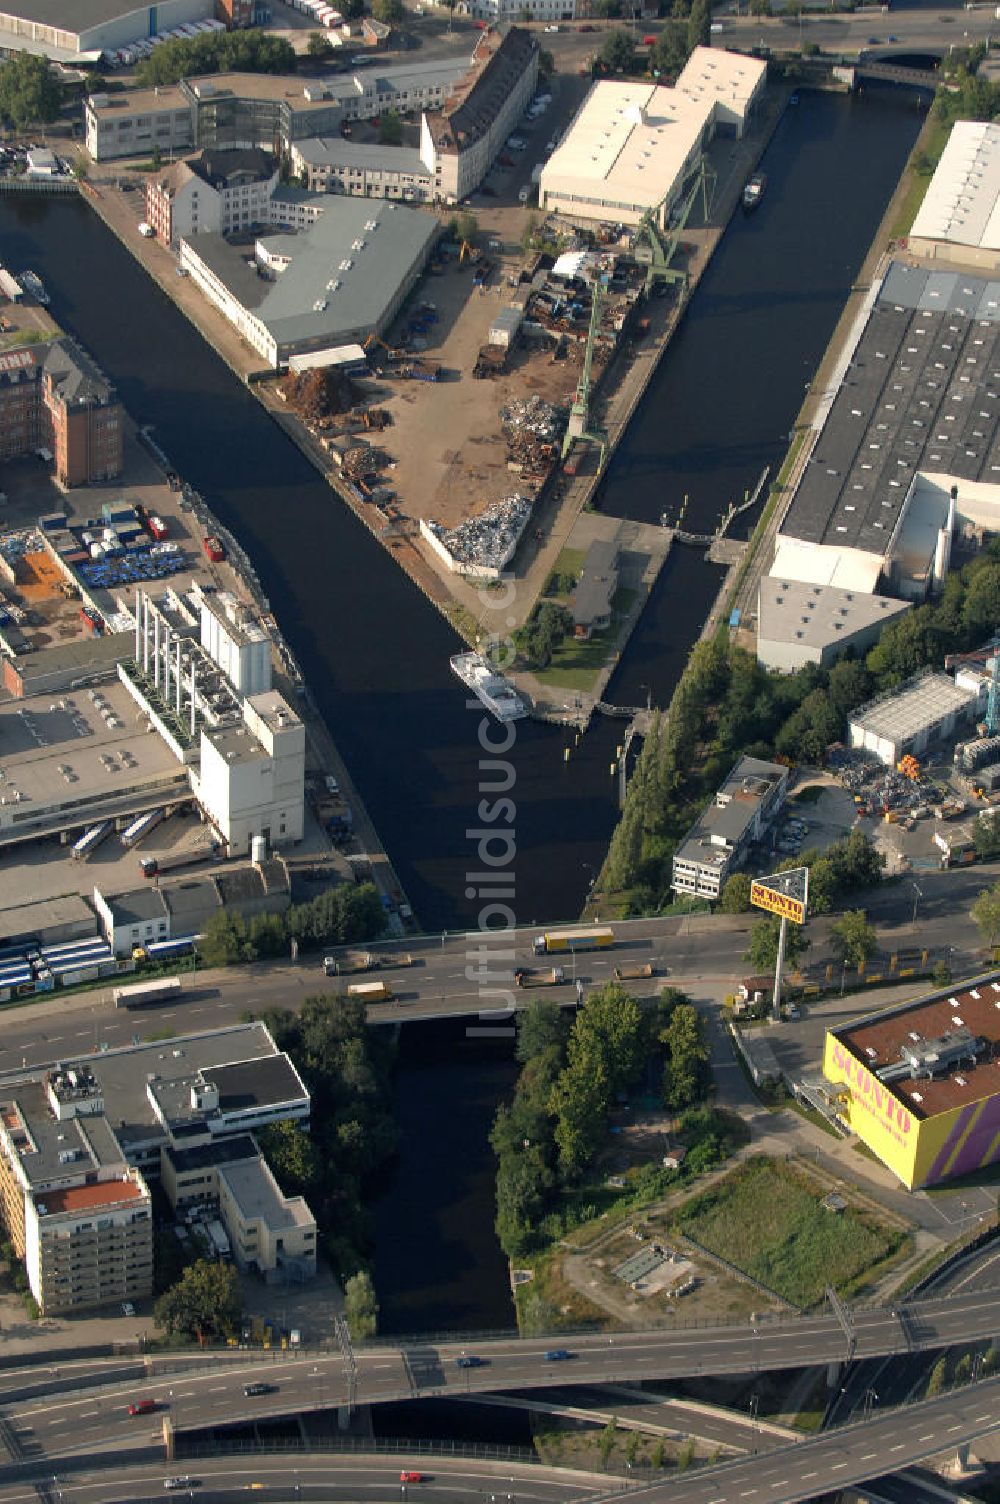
{"points": [[913, 30], [463, 975], [61, 1425], [317, 1476]]}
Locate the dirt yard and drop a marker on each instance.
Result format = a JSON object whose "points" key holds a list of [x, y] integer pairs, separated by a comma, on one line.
{"points": [[454, 424]]}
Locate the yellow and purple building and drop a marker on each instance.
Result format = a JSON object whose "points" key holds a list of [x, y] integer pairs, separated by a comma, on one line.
{"points": [[920, 1084]]}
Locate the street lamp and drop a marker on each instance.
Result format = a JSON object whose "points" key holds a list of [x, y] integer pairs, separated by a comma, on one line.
{"points": [[918, 894], [871, 1399]]}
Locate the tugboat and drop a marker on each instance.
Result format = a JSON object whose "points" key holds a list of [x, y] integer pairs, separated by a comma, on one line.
{"points": [[754, 192]]}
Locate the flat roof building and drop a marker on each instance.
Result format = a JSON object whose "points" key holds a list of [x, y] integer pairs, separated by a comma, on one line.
{"points": [[333, 165], [336, 283], [906, 720], [721, 837], [591, 601], [959, 219], [920, 1083], [799, 624], [631, 147]]}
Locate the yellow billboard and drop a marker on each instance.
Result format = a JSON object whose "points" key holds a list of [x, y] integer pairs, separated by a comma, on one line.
{"points": [[782, 904]]}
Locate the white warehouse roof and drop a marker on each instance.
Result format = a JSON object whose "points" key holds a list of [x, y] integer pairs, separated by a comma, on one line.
{"points": [[631, 144], [962, 202]]}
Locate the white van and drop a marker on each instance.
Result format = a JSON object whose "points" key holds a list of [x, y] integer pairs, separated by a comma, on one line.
{"points": [[146, 231]]}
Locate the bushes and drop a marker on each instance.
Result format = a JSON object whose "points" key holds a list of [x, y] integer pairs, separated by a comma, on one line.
{"points": [[543, 632], [217, 52]]}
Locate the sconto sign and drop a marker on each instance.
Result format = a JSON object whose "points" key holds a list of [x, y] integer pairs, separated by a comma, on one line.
{"points": [[785, 894]]}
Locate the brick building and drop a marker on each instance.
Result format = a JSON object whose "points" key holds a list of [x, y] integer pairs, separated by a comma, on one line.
{"points": [[20, 406], [82, 416]]}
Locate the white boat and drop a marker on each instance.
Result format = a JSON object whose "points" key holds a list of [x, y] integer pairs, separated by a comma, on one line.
{"points": [[491, 688]]}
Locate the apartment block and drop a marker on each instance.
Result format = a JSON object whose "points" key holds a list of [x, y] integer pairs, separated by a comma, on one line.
{"points": [[90, 1245], [460, 142], [718, 843], [219, 191]]}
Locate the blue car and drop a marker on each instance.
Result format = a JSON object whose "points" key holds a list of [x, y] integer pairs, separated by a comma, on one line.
{"points": [[468, 1361], [557, 1355]]}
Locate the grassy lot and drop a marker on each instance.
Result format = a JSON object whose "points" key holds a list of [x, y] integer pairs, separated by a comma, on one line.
{"points": [[929, 147], [577, 662], [570, 561], [768, 1220]]}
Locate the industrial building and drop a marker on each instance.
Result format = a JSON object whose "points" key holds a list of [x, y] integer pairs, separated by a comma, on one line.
{"points": [[80, 32], [926, 709], [718, 842], [906, 459], [334, 284], [240, 111], [799, 623], [79, 1139], [632, 147], [218, 192], [920, 1084], [177, 910], [243, 752], [959, 218], [591, 600]]}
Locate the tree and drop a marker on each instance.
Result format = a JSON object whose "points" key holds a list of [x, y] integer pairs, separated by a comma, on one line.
{"points": [[608, 1034], [938, 1378], [699, 23], [81, 170], [579, 1102], [735, 897], [466, 225], [30, 92], [391, 12], [685, 1074], [205, 1302], [986, 913], [763, 951], [618, 51], [853, 939], [546, 63], [539, 1027], [318, 45], [352, 10], [360, 1306], [224, 940], [293, 1156], [390, 131]]}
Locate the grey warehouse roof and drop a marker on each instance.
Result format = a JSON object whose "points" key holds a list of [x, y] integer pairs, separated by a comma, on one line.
{"points": [[325, 151], [817, 615], [345, 269], [922, 392], [78, 17], [921, 704]]}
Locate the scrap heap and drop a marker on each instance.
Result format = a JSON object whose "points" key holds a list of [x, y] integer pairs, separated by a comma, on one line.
{"points": [[533, 429], [489, 540]]}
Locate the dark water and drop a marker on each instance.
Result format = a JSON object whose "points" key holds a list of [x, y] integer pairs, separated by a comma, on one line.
{"points": [[439, 1266], [376, 653]]}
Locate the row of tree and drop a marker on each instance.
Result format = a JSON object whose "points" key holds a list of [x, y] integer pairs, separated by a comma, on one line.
{"points": [[346, 915], [547, 627], [546, 1139], [252, 51], [726, 703], [688, 27], [30, 92]]}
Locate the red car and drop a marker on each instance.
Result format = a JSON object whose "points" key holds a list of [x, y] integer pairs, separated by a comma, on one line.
{"points": [[142, 1407], [409, 1477]]}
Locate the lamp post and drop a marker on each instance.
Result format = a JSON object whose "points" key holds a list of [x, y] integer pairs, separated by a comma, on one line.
{"points": [[871, 1400], [918, 894]]}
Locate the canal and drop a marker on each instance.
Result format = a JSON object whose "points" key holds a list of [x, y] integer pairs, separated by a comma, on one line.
{"points": [[375, 653]]}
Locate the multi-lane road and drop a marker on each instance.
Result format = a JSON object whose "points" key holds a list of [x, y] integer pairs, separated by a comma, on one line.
{"points": [[211, 1391], [469, 975]]}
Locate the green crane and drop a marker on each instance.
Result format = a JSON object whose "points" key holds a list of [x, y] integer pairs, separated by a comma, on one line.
{"points": [[579, 426], [654, 247]]}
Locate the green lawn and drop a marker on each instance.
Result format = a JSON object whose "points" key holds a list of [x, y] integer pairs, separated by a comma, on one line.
{"points": [[570, 561], [767, 1220], [577, 662]]}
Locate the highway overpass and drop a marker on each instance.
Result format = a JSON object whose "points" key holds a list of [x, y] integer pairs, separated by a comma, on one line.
{"points": [[210, 1392]]}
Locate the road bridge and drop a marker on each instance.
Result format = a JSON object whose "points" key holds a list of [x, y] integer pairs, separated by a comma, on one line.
{"points": [[835, 1460], [897, 73], [214, 1393]]}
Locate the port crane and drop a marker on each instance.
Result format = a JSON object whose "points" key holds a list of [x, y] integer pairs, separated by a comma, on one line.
{"points": [[989, 658], [579, 425], [654, 247]]}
